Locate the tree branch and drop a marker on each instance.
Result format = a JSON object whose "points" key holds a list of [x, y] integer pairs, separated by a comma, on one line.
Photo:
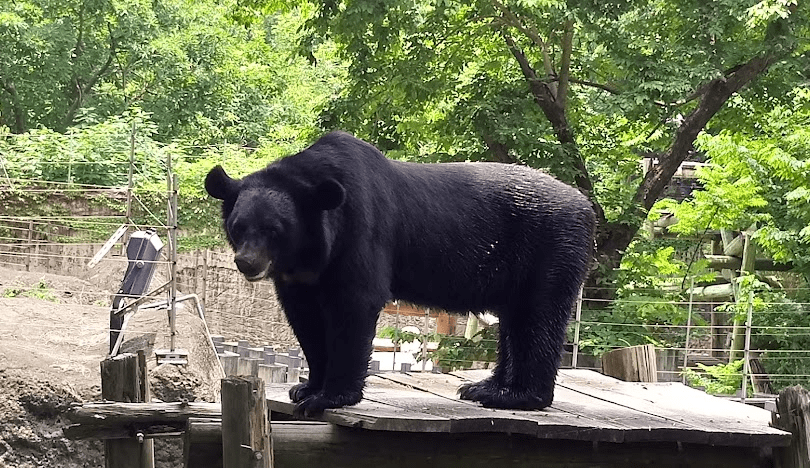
{"points": [[81, 91], [565, 62], [512, 20], [498, 150], [555, 114], [603, 87], [714, 96]]}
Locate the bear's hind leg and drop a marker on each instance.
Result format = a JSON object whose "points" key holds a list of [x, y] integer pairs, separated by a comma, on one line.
{"points": [[530, 345]]}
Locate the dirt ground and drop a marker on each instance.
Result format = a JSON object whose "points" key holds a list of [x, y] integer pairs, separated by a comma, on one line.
{"points": [[53, 335]]}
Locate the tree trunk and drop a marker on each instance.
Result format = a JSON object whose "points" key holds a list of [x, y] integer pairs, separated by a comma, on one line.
{"points": [[17, 109], [613, 238]]}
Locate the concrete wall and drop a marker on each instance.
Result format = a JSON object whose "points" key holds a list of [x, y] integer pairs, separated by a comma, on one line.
{"points": [[235, 308]]}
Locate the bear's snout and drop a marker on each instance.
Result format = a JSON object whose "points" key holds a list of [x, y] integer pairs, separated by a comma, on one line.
{"points": [[253, 268]]}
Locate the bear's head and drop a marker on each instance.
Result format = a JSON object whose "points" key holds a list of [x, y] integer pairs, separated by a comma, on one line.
{"points": [[278, 228]]}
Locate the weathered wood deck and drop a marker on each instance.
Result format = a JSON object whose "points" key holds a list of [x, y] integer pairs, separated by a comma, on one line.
{"points": [[588, 406]]}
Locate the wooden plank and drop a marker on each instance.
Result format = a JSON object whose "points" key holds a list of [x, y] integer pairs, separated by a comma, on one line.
{"points": [[562, 421], [434, 397], [595, 419], [326, 445], [690, 415], [367, 414], [710, 419], [428, 402], [127, 413]]}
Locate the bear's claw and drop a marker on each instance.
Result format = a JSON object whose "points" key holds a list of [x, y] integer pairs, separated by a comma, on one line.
{"points": [[301, 391], [314, 405], [491, 395]]}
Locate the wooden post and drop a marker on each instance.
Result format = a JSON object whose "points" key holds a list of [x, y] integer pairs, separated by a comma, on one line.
{"points": [[633, 364], [204, 292], [246, 439], [123, 378], [28, 247], [230, 362], [688, 328], [248, 366], [793, 406], [273, 373], [577, 325], [445, 324]]}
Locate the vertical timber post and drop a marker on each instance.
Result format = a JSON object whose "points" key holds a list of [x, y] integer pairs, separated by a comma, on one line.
{"points": [[747, 349], [246, 438], [688, 328], [577, 320], [793, 415], [28, 247], [123, 378], [747, 268], [425, 338]]}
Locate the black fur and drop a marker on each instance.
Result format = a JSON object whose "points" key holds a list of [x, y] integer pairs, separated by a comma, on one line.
{"points": [[341, 230]]}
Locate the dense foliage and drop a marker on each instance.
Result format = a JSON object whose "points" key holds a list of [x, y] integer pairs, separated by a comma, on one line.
{"points": [[583, 89], [586, 90]]}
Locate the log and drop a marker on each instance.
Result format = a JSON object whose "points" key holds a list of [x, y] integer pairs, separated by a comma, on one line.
{"points": [[793, 415], [202, 443], [107, 414], [305, 444], [246, 438], [720, 262], [720, 292], [734, 246], [633, 364]]}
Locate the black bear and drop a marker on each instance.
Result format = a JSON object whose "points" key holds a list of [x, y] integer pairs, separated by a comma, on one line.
{"points": [[341, 229]]}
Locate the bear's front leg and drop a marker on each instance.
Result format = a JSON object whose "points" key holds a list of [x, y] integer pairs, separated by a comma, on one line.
{"points": [[349, 335], [303, 312]]}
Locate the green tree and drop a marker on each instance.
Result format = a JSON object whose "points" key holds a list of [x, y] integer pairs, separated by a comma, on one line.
{"points": [[198, 69], [581, 88], [759, 174]]}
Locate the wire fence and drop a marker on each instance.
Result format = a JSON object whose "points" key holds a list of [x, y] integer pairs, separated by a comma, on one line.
{"points": [[59, 226]]}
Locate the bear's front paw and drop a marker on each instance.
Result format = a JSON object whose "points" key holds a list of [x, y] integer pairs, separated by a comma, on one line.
{"points": [[314, 405], [476, 391], [303, 390], [491, 395]]}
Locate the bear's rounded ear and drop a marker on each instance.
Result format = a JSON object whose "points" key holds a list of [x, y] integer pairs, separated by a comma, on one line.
{"points": [[219, 184], [328, 195]]}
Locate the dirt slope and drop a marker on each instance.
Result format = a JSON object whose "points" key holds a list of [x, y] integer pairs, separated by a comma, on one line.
{"points": [[53, 335]]}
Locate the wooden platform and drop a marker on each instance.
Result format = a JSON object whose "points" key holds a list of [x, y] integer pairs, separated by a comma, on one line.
{"points": [[588, 406]]}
